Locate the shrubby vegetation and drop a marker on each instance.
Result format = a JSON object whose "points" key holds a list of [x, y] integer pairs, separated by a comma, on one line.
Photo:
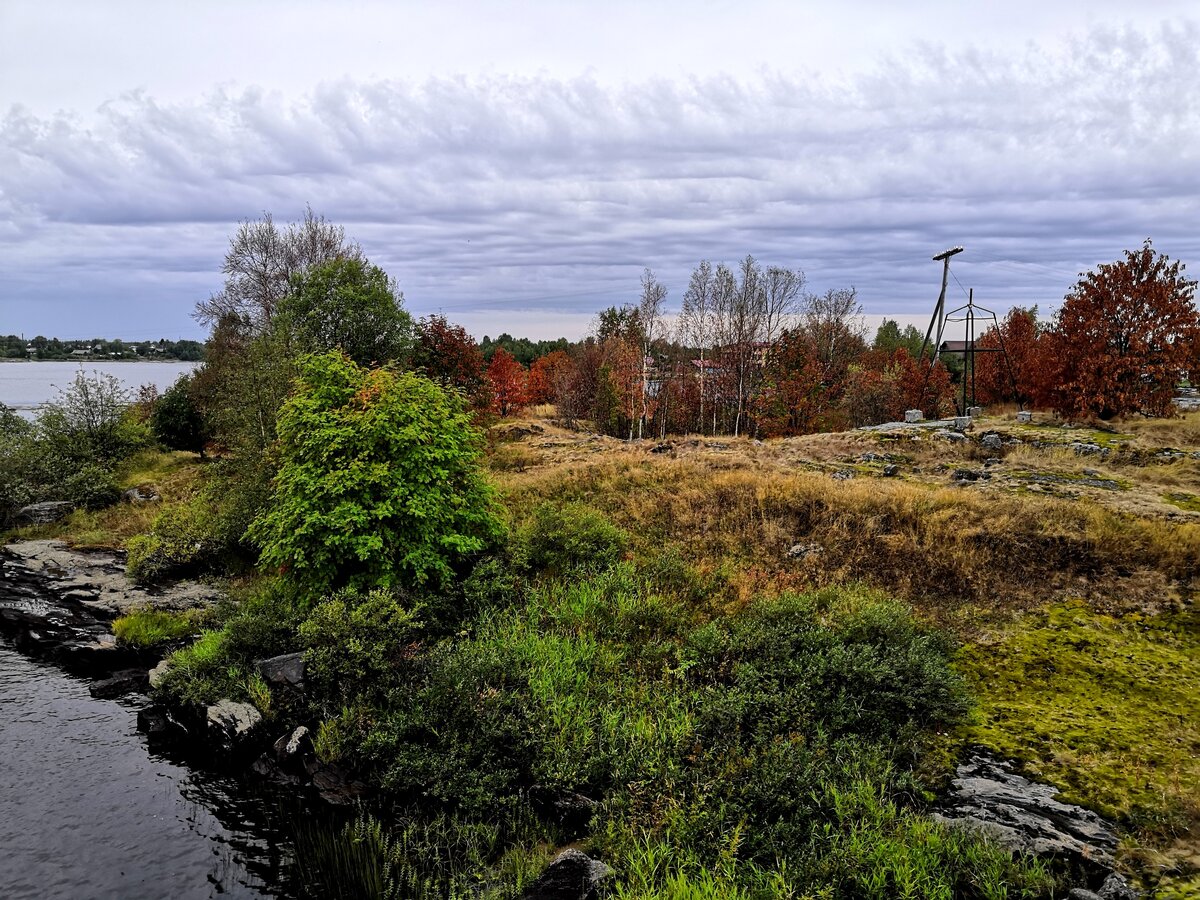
{"points": [[72, 449], [609, 638]]}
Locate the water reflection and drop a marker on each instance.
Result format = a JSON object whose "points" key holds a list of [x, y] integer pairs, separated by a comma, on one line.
{"points": [[87, 810]]}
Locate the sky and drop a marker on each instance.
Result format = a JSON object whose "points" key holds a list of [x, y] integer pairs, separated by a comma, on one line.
{"points": [[516, 165]]}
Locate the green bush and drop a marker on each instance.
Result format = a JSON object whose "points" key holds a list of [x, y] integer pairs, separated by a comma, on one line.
{"points": [[92, 487], [863, 667], [177, 421], [356, 643], [379, 482], [182, 542], [567, 537]]}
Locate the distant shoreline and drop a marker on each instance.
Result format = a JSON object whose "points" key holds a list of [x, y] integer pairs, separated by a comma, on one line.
{"points": [[100, 359]]}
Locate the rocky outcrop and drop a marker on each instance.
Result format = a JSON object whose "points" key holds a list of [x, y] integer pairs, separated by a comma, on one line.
{"points": [[43, 513], [571, 875], [127, 681], [59, 602], [1025, 816]]}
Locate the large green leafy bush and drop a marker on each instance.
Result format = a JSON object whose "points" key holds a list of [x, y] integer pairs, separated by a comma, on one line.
{"points": [[379, 483]]}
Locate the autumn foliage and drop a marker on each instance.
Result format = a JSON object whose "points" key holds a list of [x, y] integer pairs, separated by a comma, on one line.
{"points": [[507, 380], [1124, 335]]}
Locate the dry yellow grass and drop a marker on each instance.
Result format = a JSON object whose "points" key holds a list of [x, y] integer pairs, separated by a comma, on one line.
{"points": [[734, 508]]}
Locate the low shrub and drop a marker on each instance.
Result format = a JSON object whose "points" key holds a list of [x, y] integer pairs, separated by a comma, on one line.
{"points": [[357, 643], [184, 541], [92, 487], [561, 538]]}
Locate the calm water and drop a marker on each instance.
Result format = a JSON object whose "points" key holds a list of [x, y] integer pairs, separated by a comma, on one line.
{"points": [[87, 811], [26, 385]]}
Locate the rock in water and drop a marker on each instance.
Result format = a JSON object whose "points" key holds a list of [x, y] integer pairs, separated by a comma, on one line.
{"points": [[127, 681], [230, 723], [1024, 815], [570, 876]]}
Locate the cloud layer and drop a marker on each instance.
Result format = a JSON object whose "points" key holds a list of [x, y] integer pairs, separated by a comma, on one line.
{"points": [[525, 204]]}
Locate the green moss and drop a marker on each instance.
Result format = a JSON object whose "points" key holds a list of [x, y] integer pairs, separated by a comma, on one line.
{"points": [[1185, 501], [1106, 708], [1057, 434]]}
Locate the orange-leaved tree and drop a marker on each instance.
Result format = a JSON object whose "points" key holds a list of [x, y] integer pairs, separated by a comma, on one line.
{"points": [[546, 374], [1123, 338], [1009, 372], [507, 379]]}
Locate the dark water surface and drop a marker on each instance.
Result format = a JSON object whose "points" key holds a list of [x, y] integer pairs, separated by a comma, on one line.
{"points": [[87, 810]]}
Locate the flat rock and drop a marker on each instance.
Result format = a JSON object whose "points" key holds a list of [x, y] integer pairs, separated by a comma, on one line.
{"points": [[95, 580], [1025, 816], [43, 513]]}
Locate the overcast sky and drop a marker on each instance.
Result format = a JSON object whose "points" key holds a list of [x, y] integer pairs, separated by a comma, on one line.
{"points": [[515, 165]]}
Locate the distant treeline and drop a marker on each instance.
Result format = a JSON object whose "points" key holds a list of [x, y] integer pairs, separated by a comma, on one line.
{"points": [[15, 347]]}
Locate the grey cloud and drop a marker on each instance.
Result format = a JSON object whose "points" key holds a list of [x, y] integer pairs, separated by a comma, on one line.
{"points": [[487, 195]]}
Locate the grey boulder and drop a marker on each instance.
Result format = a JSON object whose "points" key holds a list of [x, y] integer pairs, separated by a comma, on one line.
{"points": [[571, 875]]}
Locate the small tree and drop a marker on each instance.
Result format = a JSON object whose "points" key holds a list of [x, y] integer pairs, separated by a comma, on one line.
{"points": [[1125, 333], [379, 484], [508, 383], [176, 419], [351, 305], [450, 356]]}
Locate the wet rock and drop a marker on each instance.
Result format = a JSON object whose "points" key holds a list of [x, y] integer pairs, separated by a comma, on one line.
{"points": [[156, 675], [43, 513], [1024, 816], [127, 681], [874, 457], [962, 475], [285, 670], [157, 722], [664, 447], [1115, 887], [992, 441], [891, 470], [570, 876], [1082, 894], [229, 723], [292, 746], [333, 783]]}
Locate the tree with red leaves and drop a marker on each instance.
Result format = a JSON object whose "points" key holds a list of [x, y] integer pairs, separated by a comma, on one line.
{"points": [[508, 383], [448, 355], [994, 375], [546, 374], [1122, 339]]}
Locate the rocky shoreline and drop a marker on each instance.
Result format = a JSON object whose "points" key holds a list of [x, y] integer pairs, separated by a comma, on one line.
{"points": [[58, 603]]}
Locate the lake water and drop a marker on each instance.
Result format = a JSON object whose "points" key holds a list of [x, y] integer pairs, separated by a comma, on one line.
{"points": [[87, 810], [26, 385]]}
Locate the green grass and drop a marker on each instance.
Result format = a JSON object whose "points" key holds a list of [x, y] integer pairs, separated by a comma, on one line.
{"points": [[152, 627], [1107, 709]]}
